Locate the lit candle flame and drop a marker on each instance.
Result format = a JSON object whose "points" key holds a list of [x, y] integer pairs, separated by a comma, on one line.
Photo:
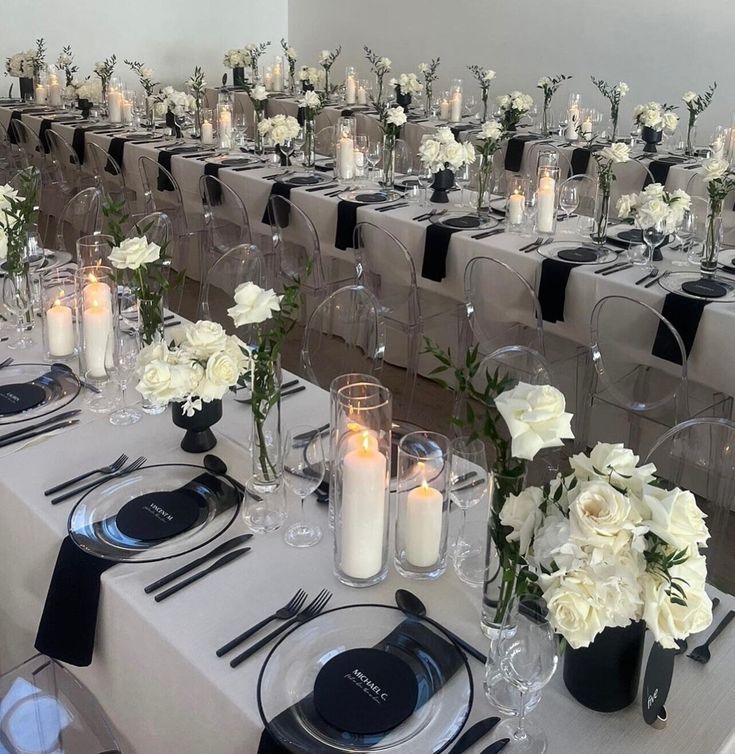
{"points": [[57, 302], [424, 486], [366, 441], [92, 278]]}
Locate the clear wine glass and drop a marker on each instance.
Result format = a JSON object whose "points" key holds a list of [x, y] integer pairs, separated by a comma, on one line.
{"points": [[462, 178], [469, 480], [527, 656], [425, 178], [18, 300], [124, 358], [374, 155], [653, 236], [287, 148], [362, 145], [568, 199], [303, 471], [684, 231]]}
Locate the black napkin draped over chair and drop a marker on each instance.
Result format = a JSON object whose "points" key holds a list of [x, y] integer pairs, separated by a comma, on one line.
{"points": [[514, 152], [436, 247], [684, 314], [116, 150], [659, 170], [213, 188], [78, 143], [552, 290], [44, 128], [12, 136], [346, 221], [278, 189]]}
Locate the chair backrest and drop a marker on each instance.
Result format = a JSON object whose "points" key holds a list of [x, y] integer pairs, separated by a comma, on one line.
{"points": [[64, 160], [535, 151], [369, 126], [586, 192], [157, 228], [696, 185], [403, 158], [108, 173], [622, 335], [28, 142], [225, 217], [81, 216], [27, 175], [161, 192], [240, 264], [345, 333], [384, 265], [324, 141], [699, 455], [295, 243], [502, 306]]}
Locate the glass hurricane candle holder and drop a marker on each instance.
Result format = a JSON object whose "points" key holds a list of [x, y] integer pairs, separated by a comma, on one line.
{"points": [[546, 200], [278, 77], [94, 250], [344, 161], [362, 484], [518, 189], [351, 85], [206, 129], [455, 101], [96, 293], [422, 494], [224, 125], [58, 304]]}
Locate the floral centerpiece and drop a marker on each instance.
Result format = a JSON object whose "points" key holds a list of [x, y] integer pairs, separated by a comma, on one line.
{"points": [[429, 72], [613, 94], [696, 104], [65, 62], [485, 77], [513, 107], [144, 74], [291, 56], [654, 118], [310, 104], [490, 138], [614, 154], [279, 130], [236, 59], [20, 65], [391, 119], [309, 78], [405, 86], [379, 66], [326, 61], [442, 154], [549, 86], [720, 180], [104, 70]]}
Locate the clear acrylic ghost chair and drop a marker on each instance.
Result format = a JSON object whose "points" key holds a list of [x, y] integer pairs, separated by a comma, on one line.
{"points": [[110, 178], [226, 222], [240, 264], [533, 155], [502, 307], [696, 186], [384, 265], [324, 141], [369, 126], [43, 708], [403, 158], [29, 151], [699, 455], [345, 333], [81, 216]]}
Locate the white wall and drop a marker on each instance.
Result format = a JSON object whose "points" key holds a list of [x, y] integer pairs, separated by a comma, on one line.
{"points": [[171, 36], [661, 49]]}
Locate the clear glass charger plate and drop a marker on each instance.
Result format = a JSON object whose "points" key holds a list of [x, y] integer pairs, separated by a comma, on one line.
{"points": [[286, 685], [49, 261], [370, 196], [45, 389], [625, 234], [405, 182], [688, 283], [228, 160], [93, 523], [467, 220], [303, 178], [498, 204], [572, 252]]}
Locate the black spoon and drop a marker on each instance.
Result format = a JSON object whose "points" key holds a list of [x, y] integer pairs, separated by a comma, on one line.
{"points": [[412, 605], [216, 465]]}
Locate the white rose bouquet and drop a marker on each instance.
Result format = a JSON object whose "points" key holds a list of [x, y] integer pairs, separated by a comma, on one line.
{"points": [[326, 61], [406, 85], [236, 58], [169, 100], [379, 66], [655, 206], [90, 89], [696, 105], [549, 86], [606, 158], [259, 97], [144, 74], [613, 93], [441, 151], [513, 107], [20, 65], [309, 77], [279, 129], [485, 77], [656, 116], [609, 546], [201, 367]]}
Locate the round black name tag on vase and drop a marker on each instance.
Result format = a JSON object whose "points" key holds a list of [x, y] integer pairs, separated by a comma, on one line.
{"points": [[704, 288], [159, 515], [365, 691], [14, 399], [443, 181], [581, 254], [605, 676], [657, 682], [199, 438]]}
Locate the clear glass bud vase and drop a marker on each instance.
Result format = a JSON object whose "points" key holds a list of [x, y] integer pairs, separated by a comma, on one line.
{"points": [[389, 160]]}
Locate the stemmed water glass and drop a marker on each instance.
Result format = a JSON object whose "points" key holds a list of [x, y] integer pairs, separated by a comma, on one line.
{"points": [[424, 178], [653, 236], [362, 145], [124, 358], [684, 231], [287, 149], [374, 155], [18, 301], [303, 471], [568, 199], [462, 178], [527, 657]]}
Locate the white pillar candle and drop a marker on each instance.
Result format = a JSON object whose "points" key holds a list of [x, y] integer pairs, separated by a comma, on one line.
{"points": [[361, 95], [516, 203], [225, 129], [268, 79], [96, 291], [572, 122], [277, 77], [54, 91], [97, 324], [40, 94], [444, 109], [358, 437], [363, 511], [423, 526], [350, 90], [546, 204], [60, 329], [345, 158], [127, 111], [207, 132], [587, 128], [114, 106], [455, 114]]}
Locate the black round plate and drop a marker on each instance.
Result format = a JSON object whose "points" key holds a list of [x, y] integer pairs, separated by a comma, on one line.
{"points": [[304, 180]]}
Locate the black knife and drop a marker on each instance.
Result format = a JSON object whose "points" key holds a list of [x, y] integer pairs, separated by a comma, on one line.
{"points": [[223, 561], [46, 422], [223, 548], [42, 431], [496, 746], [474, 734]]}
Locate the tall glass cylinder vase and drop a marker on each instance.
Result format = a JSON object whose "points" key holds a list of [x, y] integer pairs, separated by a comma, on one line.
{"points": [[58, 304], [309, 142], [258, 117], [484, 183], [224, 125], [428, 100], [389, 160], [265, 395], [712, 242], [362, 484], [94, 250], [691, 136], [546, 199], [602, 215], [96, 292], [345, 148]]}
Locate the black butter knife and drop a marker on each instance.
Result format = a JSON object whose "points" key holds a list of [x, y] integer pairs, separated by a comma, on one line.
{"points": [[496, 746], [223, 548], [27, 429], [223, 561], [474, 734]]}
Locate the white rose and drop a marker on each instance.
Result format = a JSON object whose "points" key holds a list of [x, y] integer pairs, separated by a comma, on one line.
{"points": [[613, 461], [430, 151], [253, 304], [291, 53], [454, 154], [488, 75], [423, 67], [3, 245], [444, 135], [223, 370], [385, 63], [146, 73], [259, 93], [156, 351], [544, 81], [396, 116], [618, 152], [311, 100], [522, 514], [714, 169], [162, 382], [536, 418], [205, 338], [491, 130], [674, 516], [133, 253], [622, 88], [670, 121], [551, 545], [324, 55], [689, 97], [601, 517], [574, 610]]}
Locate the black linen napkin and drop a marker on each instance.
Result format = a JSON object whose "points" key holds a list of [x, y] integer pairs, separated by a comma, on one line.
{"points": [[301, 116], [457, 130], [78, 142], [15, 115], [436, 246], [45, 126], [164, 160], [116, 150], [514, 152], [580, 160], [215, 191], [552, 289], [684, 314], [278, 189], [659, 170], [346, 221], [69, 620], [429, 656]]}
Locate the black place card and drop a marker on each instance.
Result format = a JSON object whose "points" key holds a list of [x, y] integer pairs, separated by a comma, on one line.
{"points": [[370, 198], [468, 221], [304, 180], [704, 288], [657, 681], [159, 515], [19, 397], [580, 254]]}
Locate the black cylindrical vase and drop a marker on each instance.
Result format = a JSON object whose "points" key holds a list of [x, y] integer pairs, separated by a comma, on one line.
{"points": [[605, 676], [443, 181], [650, 137], [199, 438], [238, 76], [404, 100]]}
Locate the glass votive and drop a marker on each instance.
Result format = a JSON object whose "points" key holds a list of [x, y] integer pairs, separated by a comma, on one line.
{"points": [[224, 125], [362, 484], [515, 209], [96, 293], [350, 85], [94, 250], [422, 495], [58, 306], [207, 127], [346, 131], [546, 200]]}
